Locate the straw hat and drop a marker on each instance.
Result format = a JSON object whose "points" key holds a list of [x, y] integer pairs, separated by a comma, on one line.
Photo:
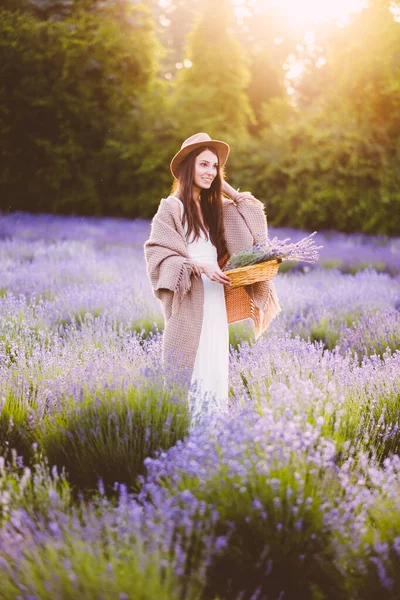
{"points": [[196, 141]]}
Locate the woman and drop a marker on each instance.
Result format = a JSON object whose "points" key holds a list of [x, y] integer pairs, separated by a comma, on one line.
{"points": [[193, 234]]}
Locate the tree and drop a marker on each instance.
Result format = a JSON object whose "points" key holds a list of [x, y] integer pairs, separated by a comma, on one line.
{"points": [[174, 19], [211, 93], [266, 83], [69, 88]]}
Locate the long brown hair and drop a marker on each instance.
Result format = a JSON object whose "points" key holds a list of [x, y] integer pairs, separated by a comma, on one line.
{"points": [[210, 202]]}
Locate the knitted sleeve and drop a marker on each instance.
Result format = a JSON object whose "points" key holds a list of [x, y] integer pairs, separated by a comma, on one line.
{"points": [[168, 263], [253, 213]]}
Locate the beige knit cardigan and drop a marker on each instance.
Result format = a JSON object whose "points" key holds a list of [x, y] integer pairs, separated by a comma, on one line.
{"points": [[175, 284]]}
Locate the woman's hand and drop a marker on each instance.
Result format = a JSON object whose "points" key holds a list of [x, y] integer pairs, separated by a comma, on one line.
{"points": [[237, 196], [214, 273], [246, 196], [196, 269]]}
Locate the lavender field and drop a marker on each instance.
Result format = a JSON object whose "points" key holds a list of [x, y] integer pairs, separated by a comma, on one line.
{"points": [[108, 491]]}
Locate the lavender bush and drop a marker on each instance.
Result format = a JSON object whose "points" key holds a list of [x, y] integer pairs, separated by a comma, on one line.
{"points": [[295, 523], [37, 491], [109, 436], [273, 487], [373, 333], [51, 548], [357, 403]]}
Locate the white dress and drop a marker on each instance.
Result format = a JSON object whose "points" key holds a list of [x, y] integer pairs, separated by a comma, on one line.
{"points": [[209, 384]]}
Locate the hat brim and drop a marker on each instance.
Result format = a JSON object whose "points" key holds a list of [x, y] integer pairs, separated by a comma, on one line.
{"points": [[222, 149]]}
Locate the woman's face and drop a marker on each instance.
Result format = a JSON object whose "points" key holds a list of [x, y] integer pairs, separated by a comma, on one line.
{"points": [[205, 169]]}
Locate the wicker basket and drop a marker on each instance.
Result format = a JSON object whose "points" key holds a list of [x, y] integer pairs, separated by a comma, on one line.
{"points": [[264, 271]]}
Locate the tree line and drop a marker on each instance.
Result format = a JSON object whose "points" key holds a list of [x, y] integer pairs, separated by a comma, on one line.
{"points": [[97, 96]]}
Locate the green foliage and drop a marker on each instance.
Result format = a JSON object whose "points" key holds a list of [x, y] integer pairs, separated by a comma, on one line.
{"points": [[323, 174], [147, 327], [240, 332], [109, 436], [106, 570], [326, 332], [71, 88], [266, 84], [210, 94], [315, 172], [16, 5], [18, 429], [337, 159]]}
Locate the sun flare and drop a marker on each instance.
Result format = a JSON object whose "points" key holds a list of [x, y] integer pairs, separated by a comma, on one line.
{"points": [[310, 11]]}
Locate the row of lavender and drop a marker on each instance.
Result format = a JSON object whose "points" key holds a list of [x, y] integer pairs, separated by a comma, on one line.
{"points": [[67, 267], [295, 494]]}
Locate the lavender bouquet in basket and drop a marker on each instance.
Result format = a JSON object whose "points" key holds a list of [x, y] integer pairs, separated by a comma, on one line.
{"points": [[265, 250]]}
